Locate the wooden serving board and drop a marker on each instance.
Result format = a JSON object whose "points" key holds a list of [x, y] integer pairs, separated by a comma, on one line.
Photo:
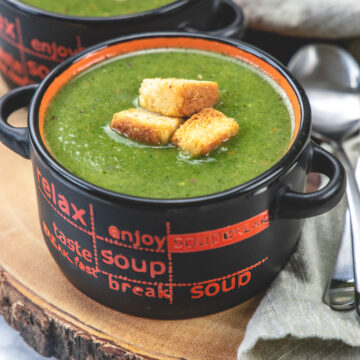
{"points": [[57, 320]]}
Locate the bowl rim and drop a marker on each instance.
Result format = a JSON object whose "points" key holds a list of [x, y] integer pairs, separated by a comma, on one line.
{"points": [[156, 13], [257, 184]]}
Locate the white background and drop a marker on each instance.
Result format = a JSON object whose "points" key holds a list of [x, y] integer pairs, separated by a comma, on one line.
{"points": [[13, 347]]}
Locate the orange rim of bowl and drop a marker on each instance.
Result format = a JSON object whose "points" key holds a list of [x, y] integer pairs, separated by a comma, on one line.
{"points": [[109, 52]]}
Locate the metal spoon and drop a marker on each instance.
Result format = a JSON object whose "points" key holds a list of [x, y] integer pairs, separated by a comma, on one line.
{"points": [[340, 294], [331, 78]]}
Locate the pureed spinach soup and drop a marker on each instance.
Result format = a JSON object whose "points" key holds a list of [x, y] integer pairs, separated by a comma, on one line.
{"points": [[97, 8], [77, 132]]}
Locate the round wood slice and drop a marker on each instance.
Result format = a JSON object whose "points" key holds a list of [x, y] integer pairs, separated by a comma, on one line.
{"points": [[57, 320]]}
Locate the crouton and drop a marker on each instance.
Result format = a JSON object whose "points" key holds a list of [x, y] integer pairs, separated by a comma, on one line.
{"points": [[177, 97], [145, 127], [204, 131]]}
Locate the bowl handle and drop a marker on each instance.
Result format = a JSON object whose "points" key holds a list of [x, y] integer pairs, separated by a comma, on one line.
{"points": [[226, 13], [15, 138], [295, 205]]}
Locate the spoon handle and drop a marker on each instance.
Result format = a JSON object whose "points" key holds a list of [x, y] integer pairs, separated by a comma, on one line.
{"points": [[353, 197], [339, 294]]}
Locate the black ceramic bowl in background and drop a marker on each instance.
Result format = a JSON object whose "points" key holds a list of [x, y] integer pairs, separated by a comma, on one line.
{"points": [[33, 41], [182, 257]]}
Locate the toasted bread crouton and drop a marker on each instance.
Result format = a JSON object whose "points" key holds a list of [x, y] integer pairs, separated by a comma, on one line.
{"points": [[145, 127], [177, 97], [205, 131]]}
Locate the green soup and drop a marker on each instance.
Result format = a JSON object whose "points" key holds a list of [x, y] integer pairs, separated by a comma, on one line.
{"points": [[77, 129], [97, 8]]}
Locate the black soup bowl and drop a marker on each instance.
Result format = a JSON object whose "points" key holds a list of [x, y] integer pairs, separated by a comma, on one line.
{"points": [[33, 41], [172, 258]]}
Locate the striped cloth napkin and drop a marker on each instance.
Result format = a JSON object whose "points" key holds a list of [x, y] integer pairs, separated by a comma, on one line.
{"points": [[292, 322]]}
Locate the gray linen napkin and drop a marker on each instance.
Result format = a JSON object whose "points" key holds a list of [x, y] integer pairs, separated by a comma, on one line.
{"points": [[292, 322], [330, 19]]}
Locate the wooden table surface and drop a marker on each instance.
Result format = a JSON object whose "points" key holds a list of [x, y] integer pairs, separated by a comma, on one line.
{"points": [[57, 320]]}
